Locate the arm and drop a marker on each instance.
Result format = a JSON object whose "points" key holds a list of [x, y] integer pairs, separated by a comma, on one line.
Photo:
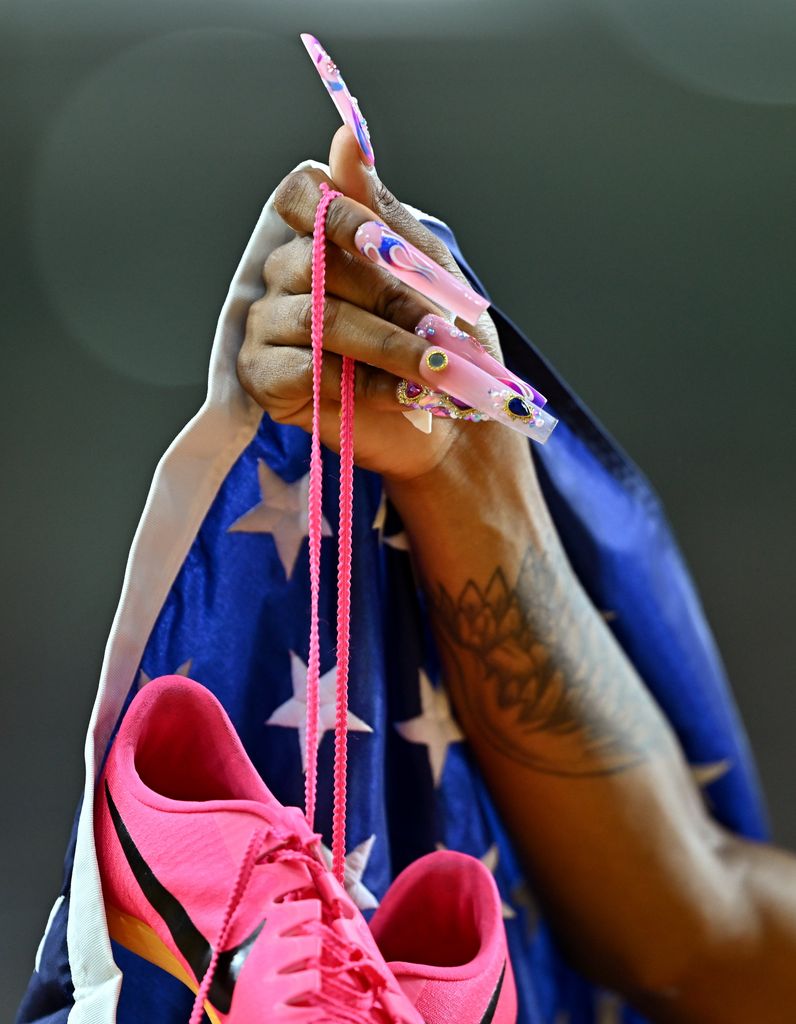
{"points": [[647, 893]]}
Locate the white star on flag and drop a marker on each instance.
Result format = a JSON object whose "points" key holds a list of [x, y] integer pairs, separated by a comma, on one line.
{"points": [[355, 864], [282, 513], [293, 713], [399, 541], [490, 861], [183, 670], [435, 727]]}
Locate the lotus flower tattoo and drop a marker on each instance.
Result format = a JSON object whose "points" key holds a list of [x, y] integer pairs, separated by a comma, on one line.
{"points": [[546, 694]]}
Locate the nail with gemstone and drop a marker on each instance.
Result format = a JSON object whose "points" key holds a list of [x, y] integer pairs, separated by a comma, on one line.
{"points": [[346, 104], [463, 380], [389, 250], [437, 403], [447, 335]]}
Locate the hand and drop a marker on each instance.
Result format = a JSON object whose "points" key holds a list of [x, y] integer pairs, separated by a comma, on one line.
{"points": [[369, 315]]}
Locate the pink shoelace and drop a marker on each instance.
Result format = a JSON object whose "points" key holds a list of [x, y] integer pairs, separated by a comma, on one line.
{"points": [[343, 552], [353, 984]]}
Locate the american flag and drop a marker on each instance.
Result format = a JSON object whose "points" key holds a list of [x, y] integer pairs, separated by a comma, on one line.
{"points": [[216, 588]]}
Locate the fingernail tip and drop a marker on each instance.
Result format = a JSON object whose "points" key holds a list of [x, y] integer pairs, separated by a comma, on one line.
{"points": [[419, 418]]}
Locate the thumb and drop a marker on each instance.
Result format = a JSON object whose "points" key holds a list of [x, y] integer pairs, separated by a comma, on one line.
{"points": [[362, 183], [353, 177]]}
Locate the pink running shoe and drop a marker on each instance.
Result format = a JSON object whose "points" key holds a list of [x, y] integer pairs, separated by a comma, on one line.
{"points": [[208, 876], [440, 929]]}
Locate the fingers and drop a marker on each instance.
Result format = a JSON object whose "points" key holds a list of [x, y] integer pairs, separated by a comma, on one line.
{"points": [[288, 270], [368, 315], [366, 422], [279, 378], [297, 197], [364, 185], [347, 330]]}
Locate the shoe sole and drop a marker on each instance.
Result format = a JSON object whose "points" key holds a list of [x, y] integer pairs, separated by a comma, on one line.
{"points": [[137, 937]]}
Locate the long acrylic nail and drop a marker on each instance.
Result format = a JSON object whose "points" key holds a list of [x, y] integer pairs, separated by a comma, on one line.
{"points": [[436, 403], [447, 335], [346, 104], [445, 370], [389, 250]]}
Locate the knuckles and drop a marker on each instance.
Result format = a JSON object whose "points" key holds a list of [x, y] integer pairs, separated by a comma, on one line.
{"points": [[273, 268], [390, 341], [246, 368], [303, 316], [339, 219], [278, 379], [300, 316], [397, 306], [289, 194], [274, 319], [289, 266], [385, 201], [296, 198], [254, 319]]}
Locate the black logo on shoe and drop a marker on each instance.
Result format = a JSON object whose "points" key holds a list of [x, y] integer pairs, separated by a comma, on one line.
{"points": [[187, 937], [489, 1012]]}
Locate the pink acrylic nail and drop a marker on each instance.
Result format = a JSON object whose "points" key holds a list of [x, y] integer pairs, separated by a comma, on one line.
{"points": [[444, 370], [389, 250], [346, 104], [447, 335]]}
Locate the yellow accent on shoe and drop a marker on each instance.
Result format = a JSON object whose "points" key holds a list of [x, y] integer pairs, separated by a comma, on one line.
{"points": [[142, 940]]}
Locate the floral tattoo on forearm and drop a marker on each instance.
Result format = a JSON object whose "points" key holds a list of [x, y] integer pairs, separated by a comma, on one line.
{"points": [[534, 670]]}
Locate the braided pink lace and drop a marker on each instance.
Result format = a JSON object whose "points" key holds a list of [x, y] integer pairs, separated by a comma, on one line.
{"points": [[353, 983], [347, 998], [343, 557]]}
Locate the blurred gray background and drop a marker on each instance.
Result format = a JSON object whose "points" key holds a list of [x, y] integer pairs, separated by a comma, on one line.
{"points": [[620, 173]]}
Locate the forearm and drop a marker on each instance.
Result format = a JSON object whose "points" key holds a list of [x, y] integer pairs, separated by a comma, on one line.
{"points": [[648, 893], [585, 769]]}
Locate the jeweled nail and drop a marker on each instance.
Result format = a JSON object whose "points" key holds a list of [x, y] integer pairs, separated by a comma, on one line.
{"points": [[418, 396], [449, 372], [346, 104], [450, 337], [436, 360], [515, 407], [405, 261]]}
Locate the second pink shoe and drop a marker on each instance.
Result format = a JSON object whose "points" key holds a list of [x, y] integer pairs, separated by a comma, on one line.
{"points": [[440, 928], [206, 875]]}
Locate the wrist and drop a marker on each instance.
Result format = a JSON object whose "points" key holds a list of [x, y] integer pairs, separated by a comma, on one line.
{"points": [[487, 469]]}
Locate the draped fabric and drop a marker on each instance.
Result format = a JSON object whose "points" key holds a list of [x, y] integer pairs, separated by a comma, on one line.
{"points": [[217, 588]]}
